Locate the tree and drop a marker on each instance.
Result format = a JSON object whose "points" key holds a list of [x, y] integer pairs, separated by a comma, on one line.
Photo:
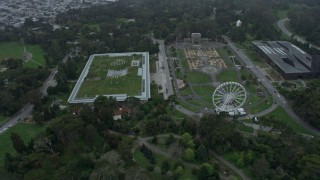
{"points": [[201, 153], [104, 102], [154, 140], [178, 171], [187, 140], [170, 140], [91, 135], [37, 116], [18, 143], [132, 102], [165, 166], [205, 171], [43, 144], [188, 155], [260, 168]]}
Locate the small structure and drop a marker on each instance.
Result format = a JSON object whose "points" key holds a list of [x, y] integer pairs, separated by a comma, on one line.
{"points": [[196, 38], [238, 23], [117, 114]]}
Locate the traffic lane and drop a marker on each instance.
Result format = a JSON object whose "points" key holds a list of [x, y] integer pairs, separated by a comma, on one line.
{"points": [[20, 116]]}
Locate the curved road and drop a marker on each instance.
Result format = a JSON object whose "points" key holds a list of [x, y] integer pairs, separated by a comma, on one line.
{"points": [[281, 24]]}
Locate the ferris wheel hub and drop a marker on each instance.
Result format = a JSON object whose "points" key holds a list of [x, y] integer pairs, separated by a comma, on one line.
{"points": [[229, 97]]}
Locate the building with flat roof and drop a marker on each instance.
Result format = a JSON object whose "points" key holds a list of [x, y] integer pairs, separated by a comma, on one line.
{"points": [[288, 59], [196, 38], [119, 75]]}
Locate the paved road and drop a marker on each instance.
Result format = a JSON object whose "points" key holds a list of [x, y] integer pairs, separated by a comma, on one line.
{"points": [[27, 109], [277, 97], [164, 70], [281, 25], [23, 113]]}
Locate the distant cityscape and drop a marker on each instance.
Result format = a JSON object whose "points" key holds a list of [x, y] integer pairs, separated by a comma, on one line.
{"points": [[13, 12]]}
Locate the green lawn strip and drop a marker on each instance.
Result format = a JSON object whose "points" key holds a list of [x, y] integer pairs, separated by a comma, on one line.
{"points": [[179, 74], [153, 66], [198, 77], [281, 115], [26, 131], [203, 90], [244, 128], [12, 49], [183, 59], [225, 53], [227, 75]]}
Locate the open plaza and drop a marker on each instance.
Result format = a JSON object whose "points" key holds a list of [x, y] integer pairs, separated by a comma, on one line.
{"points": [[119, 75]]}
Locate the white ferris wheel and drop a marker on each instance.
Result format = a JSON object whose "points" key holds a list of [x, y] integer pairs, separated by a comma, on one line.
{"points": [[229, 96]]}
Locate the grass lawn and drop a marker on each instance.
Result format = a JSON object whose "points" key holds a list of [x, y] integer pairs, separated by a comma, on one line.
{"points": [[97, 82], [245, 73], [11, 49], [189, 107], [179, 74], [281, 115], [186, 91], [227, 75], [203, 90], [224, 54], [140, 159], [37, 56], [253, 97], [281, 14], [183, 59], [207, 98], [26, 131], [94, 26], [262, 106], [201, 103], [198, 77], [14, 49], [3, 119], [244, 128]]}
